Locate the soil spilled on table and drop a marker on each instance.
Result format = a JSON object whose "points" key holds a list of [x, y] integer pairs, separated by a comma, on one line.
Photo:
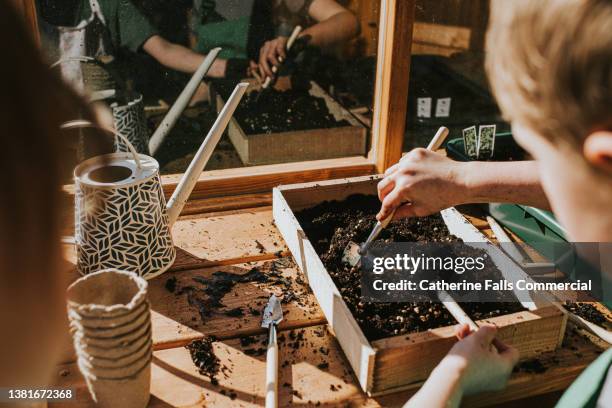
{"points": [[330, 226], [205, 294], [280, 111], [204, 358]]}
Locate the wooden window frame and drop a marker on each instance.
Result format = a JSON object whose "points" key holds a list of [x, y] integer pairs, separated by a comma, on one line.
{"points": [[388, 125]]}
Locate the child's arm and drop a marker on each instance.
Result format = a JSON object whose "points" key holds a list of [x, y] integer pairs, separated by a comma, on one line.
{"points": [[431, 182], [181, 58], [478, 362]]}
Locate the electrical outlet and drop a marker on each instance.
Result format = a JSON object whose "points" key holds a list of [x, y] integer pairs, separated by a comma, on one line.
{"points": [[423, 107], [443, 106]]}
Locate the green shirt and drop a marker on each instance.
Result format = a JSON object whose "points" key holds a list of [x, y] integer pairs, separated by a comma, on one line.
{"points": [[585, 391], [127, 27]]}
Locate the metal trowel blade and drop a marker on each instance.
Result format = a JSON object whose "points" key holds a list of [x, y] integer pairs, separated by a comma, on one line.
{"points": [[273, 313], [352, 254]]}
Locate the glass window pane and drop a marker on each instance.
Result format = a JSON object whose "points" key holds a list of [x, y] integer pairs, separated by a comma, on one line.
{"points": [[448, 85], [318, 104]]}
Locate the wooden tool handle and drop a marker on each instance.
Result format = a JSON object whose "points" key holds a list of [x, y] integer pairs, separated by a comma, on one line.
{"points": [[386, 221], [433, 145], [272, 370], [438, 139], [294, 35]]}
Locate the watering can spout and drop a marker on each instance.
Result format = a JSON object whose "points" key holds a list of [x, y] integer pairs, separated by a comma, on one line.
{"points": [[190, 178], [181, 102]]}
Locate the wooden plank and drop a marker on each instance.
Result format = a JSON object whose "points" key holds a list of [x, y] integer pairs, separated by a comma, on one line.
{"points": [[261, 179], [219, 183], [27, 8], [393, 70], [442, 35], [314, 374], [226, 238], [227, 203], [192, 207], [532, 333], [176, 321], [429, 49]]}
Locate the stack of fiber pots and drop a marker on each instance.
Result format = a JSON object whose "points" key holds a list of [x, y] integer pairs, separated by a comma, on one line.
{"points": [[110, 322]]}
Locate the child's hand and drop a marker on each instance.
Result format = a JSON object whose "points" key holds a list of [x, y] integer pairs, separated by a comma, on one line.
{"points": [[422, 183], [272, 54], [484, 362]]}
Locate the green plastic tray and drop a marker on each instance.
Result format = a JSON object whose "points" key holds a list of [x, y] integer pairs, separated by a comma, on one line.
{"points": [[531, 224]]}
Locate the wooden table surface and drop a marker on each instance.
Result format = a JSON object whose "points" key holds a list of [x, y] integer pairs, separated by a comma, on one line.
{"points": [[312, 372]]}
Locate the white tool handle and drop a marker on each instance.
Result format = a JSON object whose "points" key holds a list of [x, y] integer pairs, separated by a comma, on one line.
{"points": [[294, 35], [456, 310], [181, 102], [272, 370], [183, 190]]}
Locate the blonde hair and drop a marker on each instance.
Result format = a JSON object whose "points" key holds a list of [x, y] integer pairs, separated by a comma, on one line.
{"points": [[550, 65]]}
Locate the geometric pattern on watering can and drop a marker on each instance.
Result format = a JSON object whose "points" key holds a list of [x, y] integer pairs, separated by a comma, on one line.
{"points": [[125, 228], [130, 121]]}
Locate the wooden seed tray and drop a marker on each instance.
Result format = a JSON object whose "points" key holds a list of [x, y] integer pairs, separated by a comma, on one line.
{"points": [[401, 362], [299, 145]]}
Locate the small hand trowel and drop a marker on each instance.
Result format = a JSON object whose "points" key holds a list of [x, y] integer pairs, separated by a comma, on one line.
{"points": [[353, 251], [272, 316]]}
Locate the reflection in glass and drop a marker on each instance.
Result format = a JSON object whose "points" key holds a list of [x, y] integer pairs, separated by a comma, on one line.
{"points": [[448, 85], [318, 104]]}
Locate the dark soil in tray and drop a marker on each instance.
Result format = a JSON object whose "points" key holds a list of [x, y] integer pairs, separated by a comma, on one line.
{"points": [[280, 111], [330, 226], [589, 313]]}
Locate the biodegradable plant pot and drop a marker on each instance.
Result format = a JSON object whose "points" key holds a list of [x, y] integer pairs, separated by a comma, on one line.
{"points": [[109, 293], [119, 341], [132, 391], [117, 299], [108, 322], [99, 366], [116, 373], [95, 72], [96, 76], [116, 352], [112, 332]]}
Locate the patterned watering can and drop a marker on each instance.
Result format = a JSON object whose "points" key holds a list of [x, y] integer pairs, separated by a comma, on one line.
{"points": [[129, 118], [121, 217]]}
